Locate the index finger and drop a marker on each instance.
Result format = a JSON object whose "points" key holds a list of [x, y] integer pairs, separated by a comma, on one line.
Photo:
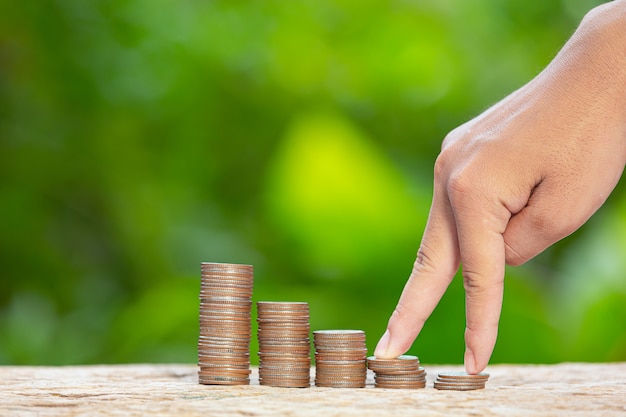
{"points": [[437, 262]]}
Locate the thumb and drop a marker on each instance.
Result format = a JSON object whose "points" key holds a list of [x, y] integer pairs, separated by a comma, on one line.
{"points": [[549, 216]]}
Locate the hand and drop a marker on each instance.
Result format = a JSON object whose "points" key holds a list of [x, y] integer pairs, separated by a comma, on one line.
{"points": [[519, 177]]}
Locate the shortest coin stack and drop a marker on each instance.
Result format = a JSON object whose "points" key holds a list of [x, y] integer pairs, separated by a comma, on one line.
{"points": [[460, 381], [403, 372], [340, 358]]}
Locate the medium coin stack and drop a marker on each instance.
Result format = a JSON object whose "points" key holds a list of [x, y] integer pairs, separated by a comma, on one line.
{"points": [[224, 341], [460, 381], [284, 344], [340, 358], [402, 372]]}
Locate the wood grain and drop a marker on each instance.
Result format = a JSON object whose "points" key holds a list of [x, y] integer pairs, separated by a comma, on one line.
{"points": [[172, 390]]}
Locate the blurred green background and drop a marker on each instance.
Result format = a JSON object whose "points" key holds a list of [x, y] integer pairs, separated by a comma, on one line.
{"points": [[139, 138]]}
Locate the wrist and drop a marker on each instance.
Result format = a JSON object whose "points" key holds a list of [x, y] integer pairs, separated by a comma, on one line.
{"points": [[595, 58], [587, 78], [604, 30], [609, 16], [606, 25]]}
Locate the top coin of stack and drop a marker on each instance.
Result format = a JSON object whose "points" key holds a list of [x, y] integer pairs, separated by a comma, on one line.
{"points": [[224, 341], [402, 372], [460, 381], [284, 344], [340, 358]]}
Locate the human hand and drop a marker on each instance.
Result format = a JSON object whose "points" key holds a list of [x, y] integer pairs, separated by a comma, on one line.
{"points": [[519, 177]]}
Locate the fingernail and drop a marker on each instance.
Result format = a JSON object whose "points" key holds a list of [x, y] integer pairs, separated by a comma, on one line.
{"points": [[470, 362], [383, 345]]}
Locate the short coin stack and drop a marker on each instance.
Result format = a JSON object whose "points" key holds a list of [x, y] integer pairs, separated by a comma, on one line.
{"points": [[224, 341], [460, 381], [340, 358], [402, 372], [284, 344]]}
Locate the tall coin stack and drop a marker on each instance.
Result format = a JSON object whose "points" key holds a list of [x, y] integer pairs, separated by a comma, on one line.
{"points": [[224, 341], [340, 358], [402, 372], [284, 344]]}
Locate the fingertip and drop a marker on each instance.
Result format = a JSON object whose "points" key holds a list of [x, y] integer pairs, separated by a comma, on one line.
{"points": [[390, 347], [383, 345], [435, 266], [470, 362], [479, 347]]}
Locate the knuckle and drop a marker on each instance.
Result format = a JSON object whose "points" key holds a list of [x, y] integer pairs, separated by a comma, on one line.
{"points": [[473, 283], [460, 189], [424, 261], [447, 157], [477, 285], [442, 164], [428, 263], [454, 136]]}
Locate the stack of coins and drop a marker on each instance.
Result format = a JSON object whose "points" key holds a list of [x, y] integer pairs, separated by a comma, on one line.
{"points": [[402, 372], [224, 341], [340, 358], [284, 344], [460, 381]]}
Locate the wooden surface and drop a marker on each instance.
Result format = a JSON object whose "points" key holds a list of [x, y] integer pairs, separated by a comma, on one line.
{"points": [[172, 390]]}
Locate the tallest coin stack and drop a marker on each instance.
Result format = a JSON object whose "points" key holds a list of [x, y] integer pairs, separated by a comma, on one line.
{"points": [[225, 327]]}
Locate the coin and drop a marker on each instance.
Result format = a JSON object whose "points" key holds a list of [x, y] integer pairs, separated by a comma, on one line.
{"points": [[283, 305], [207, 327], [285, 349], [338, 357], [460, 381], [225, 366], [457, 387], [208, 360], [285, 382], [342, 334], [285, 361], [223, 371], [400, 378], [335, 384], [287, 333], [222, 380], [342, 363], [460, 376], [221, 314], [402, 386], [227, 266], [400, 362]]}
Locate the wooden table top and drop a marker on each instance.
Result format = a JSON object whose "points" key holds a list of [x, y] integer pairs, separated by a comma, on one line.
{"points": [[569, 389]]}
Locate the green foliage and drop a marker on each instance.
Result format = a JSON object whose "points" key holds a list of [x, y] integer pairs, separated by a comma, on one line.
{"points": [[330, 190], [139, 138]]}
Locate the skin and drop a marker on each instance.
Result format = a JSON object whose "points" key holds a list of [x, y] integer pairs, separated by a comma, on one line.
{"points": [[526, 173]]}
